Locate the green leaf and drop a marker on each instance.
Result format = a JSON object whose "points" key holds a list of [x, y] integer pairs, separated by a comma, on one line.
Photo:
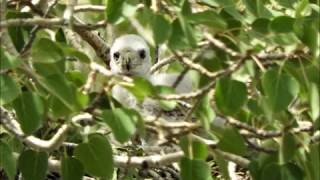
{"points": [[58, 109], [114, 10], [314, 100], [223, 165], [206, 18], [230, 7], [47, 69], [7, 161], [16, 33], [60, 37], [161, 29], [291, 171], [313, 161], [188, 31], [288, 148], [230, 95], [254, 107], [194, 169], [193, 149], [77, 77], [177, 39], [46, 51], [282, 24], [279, 88], [257, 7], [7, 61], [287, 3], [29, 108], [142, 88], [122, 122], [232, 142], [129, 8], [166, 105], [271, 171], [74, 53], [287, 171], [96, 156], [205, 113], [307, 32], [185, 7], [71, 169], [210, 3], [9, 89], [261, 25], [59, 87], [33, 165]]}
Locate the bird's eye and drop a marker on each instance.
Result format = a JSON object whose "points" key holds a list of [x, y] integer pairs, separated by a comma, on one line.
{"points": [[116, 55], [142, 54]]}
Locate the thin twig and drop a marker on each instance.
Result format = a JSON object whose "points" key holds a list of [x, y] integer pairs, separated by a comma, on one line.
{"points": [[11, 125], [35, 29], [68, 13], [89, 7], [161, 63], [263, 134], [206, 88], [219, 44], [32, 22]]}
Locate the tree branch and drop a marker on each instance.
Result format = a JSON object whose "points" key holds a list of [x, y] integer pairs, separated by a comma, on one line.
{"points": [[262, 134], [11, 125], [89, 7]]}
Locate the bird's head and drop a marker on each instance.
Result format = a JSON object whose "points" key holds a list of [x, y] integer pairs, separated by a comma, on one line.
{"points": [[130, 55]]}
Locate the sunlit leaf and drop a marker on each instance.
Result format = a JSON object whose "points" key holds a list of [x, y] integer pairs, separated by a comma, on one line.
{"points": [[141, 88], [122, 122], [193, 149], [205, 113]]}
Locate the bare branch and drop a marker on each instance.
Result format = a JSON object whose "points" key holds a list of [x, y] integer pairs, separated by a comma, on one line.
{"points": [[89, 7], [35, 29], [219, 44], [32, 22], [263, 134], [161, 63], [98, 44], [11, 125], [206, 88], [108, 73], [68, 13], [316, 137], [243, 162]]}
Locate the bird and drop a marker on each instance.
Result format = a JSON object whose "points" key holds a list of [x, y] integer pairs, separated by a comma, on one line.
{"points": [[130, 56]]}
